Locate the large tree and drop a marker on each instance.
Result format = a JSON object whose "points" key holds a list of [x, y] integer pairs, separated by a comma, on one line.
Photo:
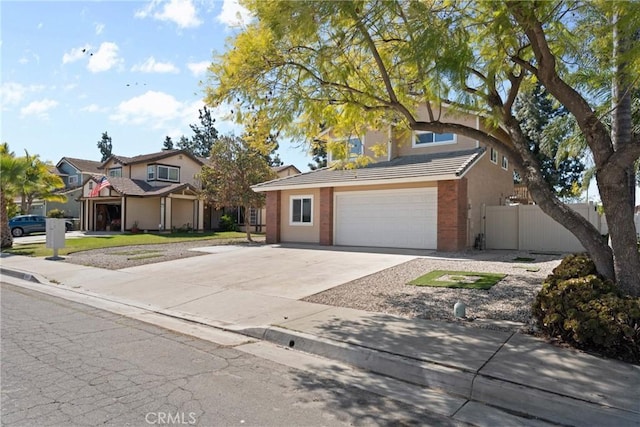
{"points": [[233, 167], [105, 146], [204, 135], [38, 183], [362, 64]]}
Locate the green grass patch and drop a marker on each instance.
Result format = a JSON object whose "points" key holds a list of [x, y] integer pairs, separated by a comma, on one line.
{"points": [[524, 259], [115, 240], [458, 279]]}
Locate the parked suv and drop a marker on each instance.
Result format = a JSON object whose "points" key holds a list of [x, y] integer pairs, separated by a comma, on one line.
{"points": [[25, 224]]}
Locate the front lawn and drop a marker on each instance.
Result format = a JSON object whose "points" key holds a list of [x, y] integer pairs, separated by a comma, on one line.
{"points": [[114, 240], [458, 279]]}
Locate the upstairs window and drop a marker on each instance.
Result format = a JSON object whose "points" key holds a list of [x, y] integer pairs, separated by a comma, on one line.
{"points": [[354, 147], [151, 173], [168, 173], [73, 179], [505, 163], [494, 156], [424, 139], [117, 172], [301, 210]]}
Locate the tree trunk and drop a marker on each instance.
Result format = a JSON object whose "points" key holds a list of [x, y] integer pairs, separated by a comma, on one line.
{"points": [[247, 220], [7, 238]]}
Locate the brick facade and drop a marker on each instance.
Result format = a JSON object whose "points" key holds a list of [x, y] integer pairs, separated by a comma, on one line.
{"points": [[274, 215], [452, 215], [326, 216]]}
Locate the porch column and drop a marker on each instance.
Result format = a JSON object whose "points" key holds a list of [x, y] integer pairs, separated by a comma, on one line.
{"points": [[452, 215], [326, 216], [123, 213], [274, 215]]}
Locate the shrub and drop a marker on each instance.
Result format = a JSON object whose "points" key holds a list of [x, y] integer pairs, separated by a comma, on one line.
{"points": [[582, 309], [56, 213], [228, 223]]}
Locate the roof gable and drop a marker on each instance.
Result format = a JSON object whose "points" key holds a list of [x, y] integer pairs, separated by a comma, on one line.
{"points": [[151, 157]]}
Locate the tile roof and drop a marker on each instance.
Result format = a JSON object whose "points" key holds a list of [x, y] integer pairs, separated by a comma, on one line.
{"points": [[83, 165], [139, 187], [424, 167], [143, 158]]}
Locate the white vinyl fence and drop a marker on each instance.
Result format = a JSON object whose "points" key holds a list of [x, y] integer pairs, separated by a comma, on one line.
{"points": [[527, 228]]}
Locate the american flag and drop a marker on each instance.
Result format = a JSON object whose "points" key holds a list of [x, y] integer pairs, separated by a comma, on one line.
{"points": [[103, 183]]}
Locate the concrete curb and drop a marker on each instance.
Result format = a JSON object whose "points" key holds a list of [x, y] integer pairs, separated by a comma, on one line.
{"points": [[23, 275], [475, 386]]}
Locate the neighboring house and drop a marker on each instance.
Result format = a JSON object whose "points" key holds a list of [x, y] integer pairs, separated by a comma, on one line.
{"points": [[73, 172], [428, 193], [156, 191]]}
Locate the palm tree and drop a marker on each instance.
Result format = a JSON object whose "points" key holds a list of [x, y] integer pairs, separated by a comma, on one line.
{"points": [[13, 169], [39, 183]]}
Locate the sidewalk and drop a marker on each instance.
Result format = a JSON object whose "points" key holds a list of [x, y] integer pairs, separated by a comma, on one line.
{"points": [[515, 372]]}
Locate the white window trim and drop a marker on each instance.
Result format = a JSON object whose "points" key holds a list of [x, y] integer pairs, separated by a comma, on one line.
{"points": [[300, 197], [116, 169], [491, 156], [415, 144], [151, 176], [505, 163], [73, 179]]}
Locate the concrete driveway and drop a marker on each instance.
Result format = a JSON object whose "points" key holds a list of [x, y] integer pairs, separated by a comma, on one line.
{"points": [[230, 285]]}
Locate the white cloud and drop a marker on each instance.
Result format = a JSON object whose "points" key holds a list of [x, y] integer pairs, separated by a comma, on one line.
{"points": [[198, 68], [105, 58], [233, 14], [76, 54], [99, 28], [39, 108], [13, 93], [93, 108], [152, 66], [181, 12], [153, 108]]}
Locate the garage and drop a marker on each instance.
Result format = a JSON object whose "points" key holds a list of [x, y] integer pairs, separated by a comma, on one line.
{"points": [[404, 218]]}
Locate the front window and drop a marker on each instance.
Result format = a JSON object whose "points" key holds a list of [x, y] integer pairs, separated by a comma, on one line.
{"points": [[422, 138], [117, 172], [151, 173], [301, 210], [354, 147], [73, 179], [168, 173]]}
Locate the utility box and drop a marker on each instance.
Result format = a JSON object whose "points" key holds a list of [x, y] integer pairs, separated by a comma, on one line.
{"points": [[55, 234]]}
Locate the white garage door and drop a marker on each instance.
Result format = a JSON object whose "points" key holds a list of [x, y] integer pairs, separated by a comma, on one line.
{"points": [[388, 218]]}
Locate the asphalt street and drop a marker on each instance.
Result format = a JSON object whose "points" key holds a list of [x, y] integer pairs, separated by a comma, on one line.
{"points": [[65, 363]]}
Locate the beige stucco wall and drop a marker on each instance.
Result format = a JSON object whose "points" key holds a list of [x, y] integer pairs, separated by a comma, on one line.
{"points": [[488, 184], [182, 212], [146, 211], [300, 233]]}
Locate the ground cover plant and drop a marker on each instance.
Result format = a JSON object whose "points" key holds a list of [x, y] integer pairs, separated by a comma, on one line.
{"points": [[115, 240], [458, 279]]}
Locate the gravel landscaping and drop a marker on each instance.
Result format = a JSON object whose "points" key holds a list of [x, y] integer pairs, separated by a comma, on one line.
{"points": [[507, 305]]}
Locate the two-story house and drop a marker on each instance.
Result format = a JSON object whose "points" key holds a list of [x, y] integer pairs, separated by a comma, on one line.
{"points": [[156, 191], [429, 192]]}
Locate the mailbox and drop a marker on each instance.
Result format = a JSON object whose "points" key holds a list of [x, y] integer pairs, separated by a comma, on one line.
{"points": [[55, 234]]}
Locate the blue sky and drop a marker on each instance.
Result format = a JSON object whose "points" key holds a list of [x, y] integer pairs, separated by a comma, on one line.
{"points": [[74, 69]]}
